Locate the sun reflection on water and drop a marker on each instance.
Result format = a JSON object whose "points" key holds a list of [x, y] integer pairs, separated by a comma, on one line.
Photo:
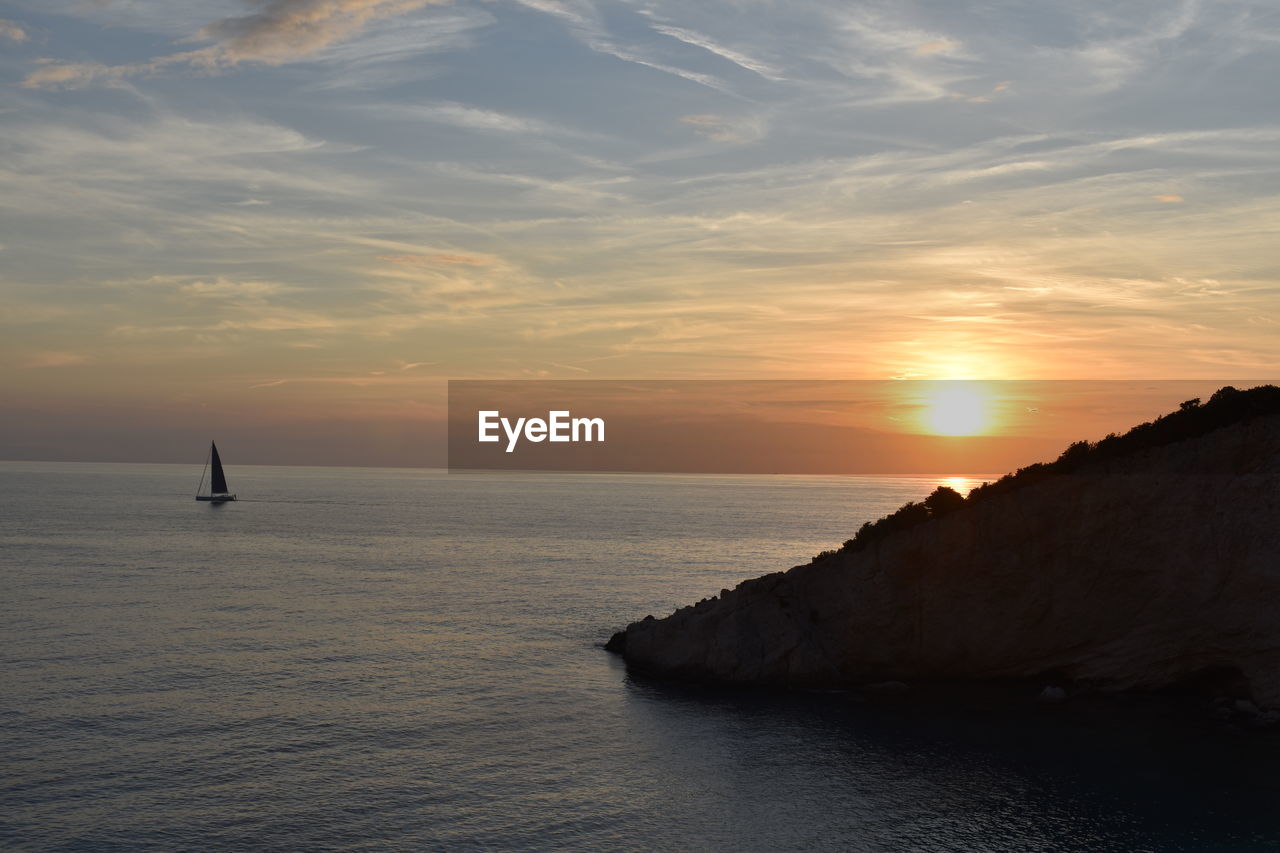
{"points": [[961, 484]]}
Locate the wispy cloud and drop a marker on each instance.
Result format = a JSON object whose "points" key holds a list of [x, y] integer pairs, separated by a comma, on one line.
{"points": [[711, 46], [395, 51], [1133, 46], [637, 189], [282, 31], [440, 258], [461, 115], [586, 24], [373, 378], [223, 288], [720, 128]]}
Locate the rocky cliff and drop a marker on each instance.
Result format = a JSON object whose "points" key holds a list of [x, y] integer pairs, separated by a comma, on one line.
{"points": [[1157, 569]]}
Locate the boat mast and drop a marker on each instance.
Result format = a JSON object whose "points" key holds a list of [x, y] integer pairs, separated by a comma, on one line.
{"points": [[200, 484]]}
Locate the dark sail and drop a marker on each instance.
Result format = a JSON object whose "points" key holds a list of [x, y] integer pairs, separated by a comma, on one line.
{"points": [[219, 481]]}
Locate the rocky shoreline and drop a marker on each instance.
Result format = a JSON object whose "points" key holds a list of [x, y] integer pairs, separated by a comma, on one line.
{"points": [[1158, 570]]}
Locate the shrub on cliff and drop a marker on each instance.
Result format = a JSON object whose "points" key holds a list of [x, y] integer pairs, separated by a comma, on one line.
{"points": [[943, 500], [1227, 406]]}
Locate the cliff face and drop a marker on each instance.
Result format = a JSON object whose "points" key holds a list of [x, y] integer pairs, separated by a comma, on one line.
{"points": [[1156, 570]]}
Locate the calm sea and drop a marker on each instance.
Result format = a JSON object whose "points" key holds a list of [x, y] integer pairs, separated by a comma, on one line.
{"points": [[411, 660]]}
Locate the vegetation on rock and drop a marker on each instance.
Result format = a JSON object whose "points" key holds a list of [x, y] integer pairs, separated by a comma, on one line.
{"points": [[1227, 406]]}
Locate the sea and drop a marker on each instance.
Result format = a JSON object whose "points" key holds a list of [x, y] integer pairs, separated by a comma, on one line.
{"points": [[378, 659]]}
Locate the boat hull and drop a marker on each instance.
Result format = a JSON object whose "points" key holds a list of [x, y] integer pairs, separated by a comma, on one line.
{"points": [[217, 499]]}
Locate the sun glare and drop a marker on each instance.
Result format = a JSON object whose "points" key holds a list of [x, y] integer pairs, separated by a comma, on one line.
{"points": [[956, 408], [963, 485]]}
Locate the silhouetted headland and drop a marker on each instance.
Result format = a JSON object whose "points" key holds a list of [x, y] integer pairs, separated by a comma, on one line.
{"points": [[1146, 561]]}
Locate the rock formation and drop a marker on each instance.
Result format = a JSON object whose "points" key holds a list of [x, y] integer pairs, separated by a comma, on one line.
{"points": [[1157, 568]]}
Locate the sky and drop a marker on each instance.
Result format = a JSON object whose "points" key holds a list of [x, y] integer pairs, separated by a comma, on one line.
{"points": [[290, 222]]}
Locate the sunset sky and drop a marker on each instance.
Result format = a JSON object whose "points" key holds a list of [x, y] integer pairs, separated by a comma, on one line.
{"points": [[298, 218]]}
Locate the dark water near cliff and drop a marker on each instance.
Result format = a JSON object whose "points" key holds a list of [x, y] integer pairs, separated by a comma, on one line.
{"points": [[361, 659]]}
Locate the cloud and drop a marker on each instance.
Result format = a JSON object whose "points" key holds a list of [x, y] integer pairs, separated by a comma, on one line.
{"points": [[283, 31], [894, 58], [54, 75], [373, 377], [574, 368], [286, 30], [223, 288], [393, 53], [585, 24], [86, 166], [942, 45], [711, 126], [611, 49], [439, 258], [721, 129], [707, 44], [1134, 49], [54, 359], [567, 226], [212, 305], [1168, 199], [472, 118], [12, 31]]}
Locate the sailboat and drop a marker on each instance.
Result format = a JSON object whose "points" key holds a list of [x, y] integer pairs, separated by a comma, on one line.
{"points": [[217, 483]]}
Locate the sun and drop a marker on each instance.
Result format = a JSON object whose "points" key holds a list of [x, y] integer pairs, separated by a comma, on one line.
{"points": [[956, 408]]}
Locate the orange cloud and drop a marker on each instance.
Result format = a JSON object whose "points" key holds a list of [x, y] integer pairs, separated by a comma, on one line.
{"points": [[1168, 199], [282, 31], [288, 29], [936, 46]]}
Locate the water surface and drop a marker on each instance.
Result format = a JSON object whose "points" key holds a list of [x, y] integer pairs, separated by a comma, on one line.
{"points": [[382, 659]]}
